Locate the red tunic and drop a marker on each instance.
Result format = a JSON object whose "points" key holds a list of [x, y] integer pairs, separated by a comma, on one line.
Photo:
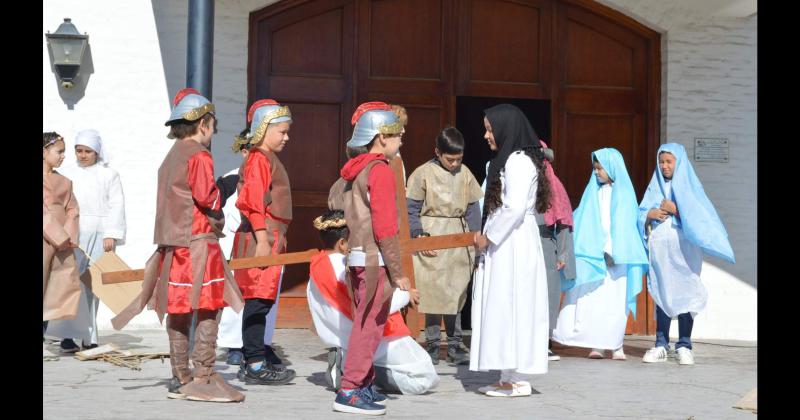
{"points": [[258, 283], [205, 196]]}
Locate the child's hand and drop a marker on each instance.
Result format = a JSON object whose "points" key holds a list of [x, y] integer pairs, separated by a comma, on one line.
{"points": [[560, 265], [430, 253], [669, 206], [262, 249], [413, 295], [481, 242], [657, 214], [403, 283], [65, 245]]}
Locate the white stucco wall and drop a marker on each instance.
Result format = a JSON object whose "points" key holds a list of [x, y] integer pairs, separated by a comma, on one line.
{"points": [[709, 91]]}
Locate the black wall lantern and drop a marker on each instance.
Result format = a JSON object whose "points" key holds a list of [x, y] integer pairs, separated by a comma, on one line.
{"points": [[67, 46]]}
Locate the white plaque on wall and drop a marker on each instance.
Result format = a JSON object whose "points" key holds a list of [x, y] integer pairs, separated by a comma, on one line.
{"points": [[711, 150]]}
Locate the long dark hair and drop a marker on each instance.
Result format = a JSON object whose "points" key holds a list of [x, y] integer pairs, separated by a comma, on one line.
{"points": [[513, 132]]}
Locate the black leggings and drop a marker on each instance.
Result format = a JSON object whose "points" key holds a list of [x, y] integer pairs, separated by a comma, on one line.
{"points": [[253, 321]]}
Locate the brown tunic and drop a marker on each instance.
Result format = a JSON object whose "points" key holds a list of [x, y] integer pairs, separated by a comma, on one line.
{"points": [[355, 203], [173, 228], [60, 282]]}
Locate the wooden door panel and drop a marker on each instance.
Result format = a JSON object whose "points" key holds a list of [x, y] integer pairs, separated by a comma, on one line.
{"points": [[504, 48], [584, 134], [310, 46], [310, 156], [594, 59], [420, 22]]}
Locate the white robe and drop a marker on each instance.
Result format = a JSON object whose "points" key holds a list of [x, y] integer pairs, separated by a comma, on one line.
{"points": [[675, 263], [408, 363], [594, 315], [230, 323], [510, 319], [102, 215]]}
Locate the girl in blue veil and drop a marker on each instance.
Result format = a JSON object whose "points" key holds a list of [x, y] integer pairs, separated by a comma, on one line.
{"points": [[610, 261], [678, 223]]}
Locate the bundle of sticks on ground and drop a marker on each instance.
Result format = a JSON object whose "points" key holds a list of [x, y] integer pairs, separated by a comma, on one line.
{"points": [[111, 353]]}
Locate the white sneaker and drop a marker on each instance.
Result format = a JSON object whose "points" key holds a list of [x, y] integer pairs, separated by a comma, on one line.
{"points": [[619, 354], [514, 389], [552, 356], [655, 355], [685, 356]]}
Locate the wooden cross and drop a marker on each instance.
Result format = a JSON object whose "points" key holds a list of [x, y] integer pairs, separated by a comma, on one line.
{"points": [[408, 246]]}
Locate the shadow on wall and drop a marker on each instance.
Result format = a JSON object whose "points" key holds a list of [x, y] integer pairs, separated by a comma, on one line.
{"points": [[171, 27], [171, 22], [78, 91]]}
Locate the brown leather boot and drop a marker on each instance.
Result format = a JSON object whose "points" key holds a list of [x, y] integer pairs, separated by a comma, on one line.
{"points": [[208, 385], [178, 333]]}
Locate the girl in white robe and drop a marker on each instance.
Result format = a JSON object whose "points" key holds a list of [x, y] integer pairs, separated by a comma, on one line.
{"points": [[510, 302], [98, 190], [610, 261]]}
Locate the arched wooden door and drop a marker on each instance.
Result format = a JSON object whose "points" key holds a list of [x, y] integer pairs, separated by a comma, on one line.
{"points": [[599, 69], [301, 54]]}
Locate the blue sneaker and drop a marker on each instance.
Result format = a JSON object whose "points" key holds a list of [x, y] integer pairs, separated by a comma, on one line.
{"points": [[376, 396], [357, 401], [235, 357]]}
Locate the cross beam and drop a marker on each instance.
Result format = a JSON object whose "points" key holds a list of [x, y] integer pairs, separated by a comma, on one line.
{"points": [[408, 246]]}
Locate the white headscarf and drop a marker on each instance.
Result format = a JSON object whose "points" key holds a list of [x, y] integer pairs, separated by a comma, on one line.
{"points": [[91, 139]]}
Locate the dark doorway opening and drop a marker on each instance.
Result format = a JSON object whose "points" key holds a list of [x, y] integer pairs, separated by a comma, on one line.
{"points": [[469, 120]]}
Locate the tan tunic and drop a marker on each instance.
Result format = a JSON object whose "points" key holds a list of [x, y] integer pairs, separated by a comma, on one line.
{"points": [[60, 283], [442, 280]]}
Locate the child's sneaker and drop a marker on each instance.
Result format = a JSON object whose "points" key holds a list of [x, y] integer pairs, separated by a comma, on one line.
{"points": [[552, 356], [68, 346], [376, 396], [173, 389], [267, 374], [685, 356], [655, 355], [235, 357], [619, 354], [356, 402]]}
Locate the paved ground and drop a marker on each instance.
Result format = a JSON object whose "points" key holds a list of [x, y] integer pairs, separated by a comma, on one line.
{"points": [[574, 388]]}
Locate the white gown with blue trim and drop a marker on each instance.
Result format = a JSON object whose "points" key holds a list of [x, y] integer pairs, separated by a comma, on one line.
{"points": [[675, 263], [594, 315]]}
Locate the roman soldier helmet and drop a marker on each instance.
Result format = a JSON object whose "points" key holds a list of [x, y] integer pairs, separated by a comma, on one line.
{"points": [[189, 105], [263, 113], [371, 119]]}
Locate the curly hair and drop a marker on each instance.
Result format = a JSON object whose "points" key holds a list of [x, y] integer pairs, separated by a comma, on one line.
{"points": [[494, 196]]}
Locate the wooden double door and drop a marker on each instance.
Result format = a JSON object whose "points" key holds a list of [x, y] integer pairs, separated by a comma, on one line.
{"points": [[587, 76]]}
